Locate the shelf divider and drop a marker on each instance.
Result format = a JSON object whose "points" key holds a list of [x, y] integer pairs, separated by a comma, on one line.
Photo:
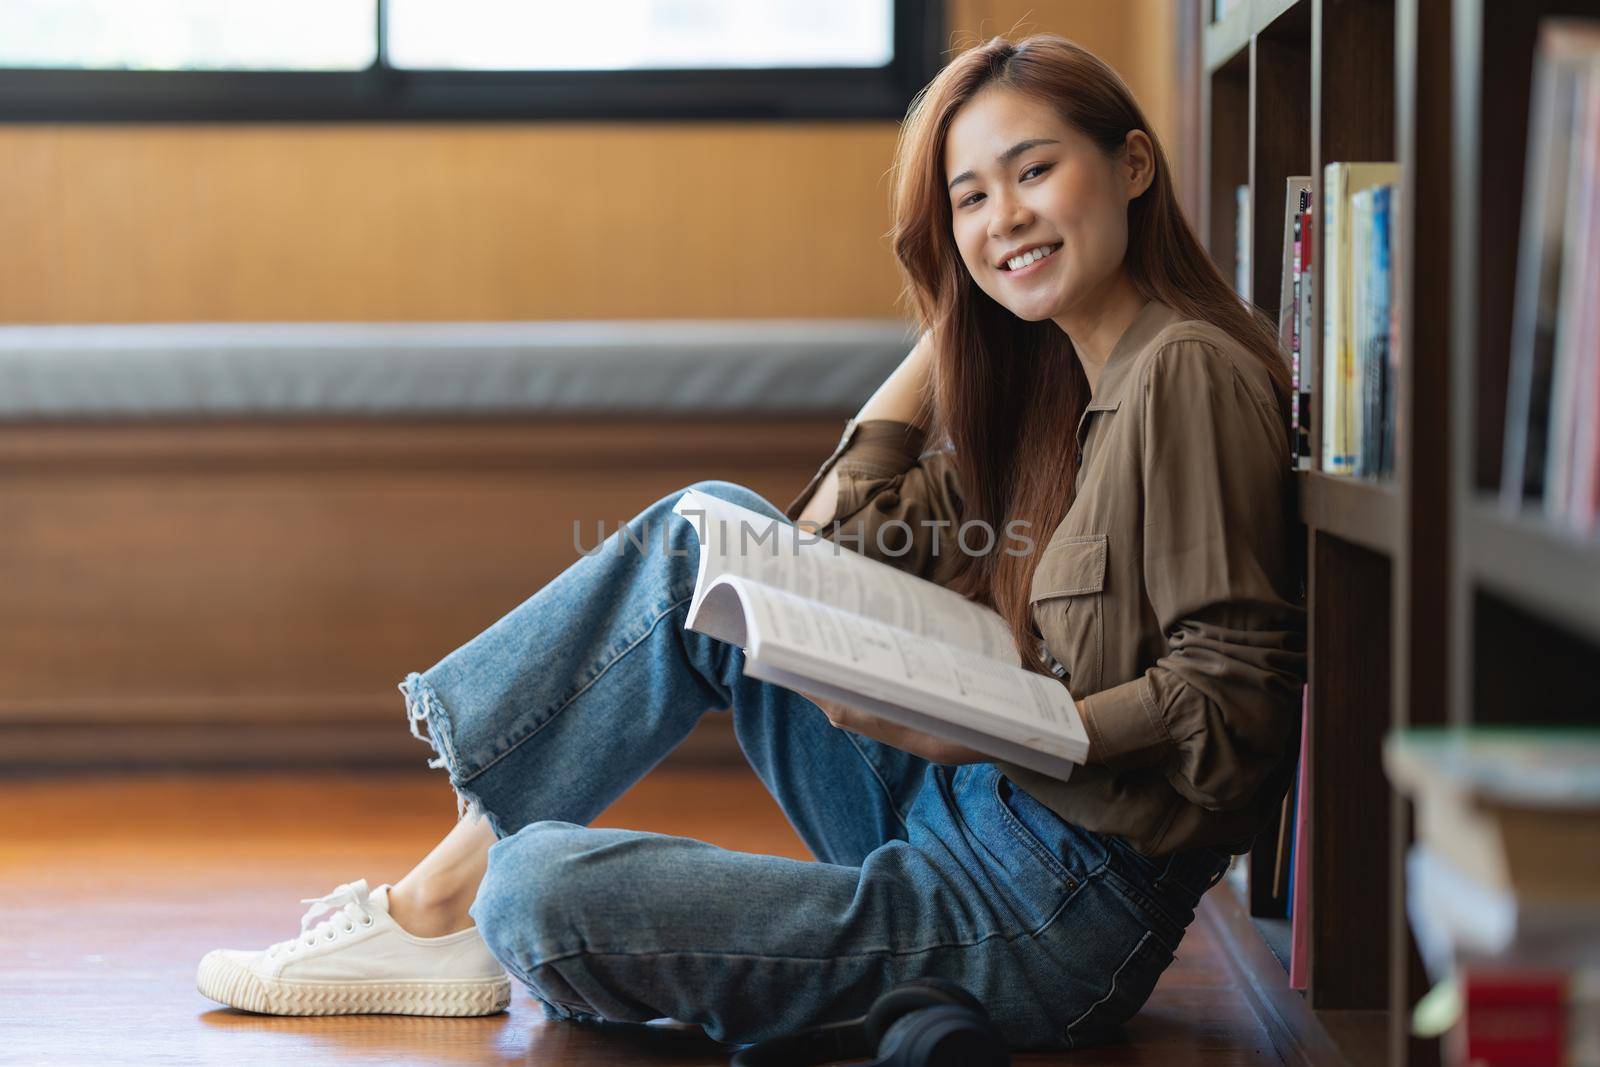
{"points": [[1531, 563], [1359, 510]]}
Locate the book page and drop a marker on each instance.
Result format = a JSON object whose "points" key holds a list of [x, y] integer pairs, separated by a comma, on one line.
{"points": [[1028, 749], [735, 540], [866, 657]]}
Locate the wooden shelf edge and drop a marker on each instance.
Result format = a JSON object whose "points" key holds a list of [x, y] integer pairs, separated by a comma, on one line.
{"points": [[1297, 1034], [1227, 41], [1263, 13], [1528, 561], [1359, 510]]}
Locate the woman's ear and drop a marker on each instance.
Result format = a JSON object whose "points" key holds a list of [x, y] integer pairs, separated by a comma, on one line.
{"points": [[1138, 162]]}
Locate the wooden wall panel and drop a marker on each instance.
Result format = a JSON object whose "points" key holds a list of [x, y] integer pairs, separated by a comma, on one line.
{"points": [[279, 576], [149, 223], [341, 222]]}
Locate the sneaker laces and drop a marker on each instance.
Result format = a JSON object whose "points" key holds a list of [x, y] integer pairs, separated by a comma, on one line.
{"points": [[345, 906]]}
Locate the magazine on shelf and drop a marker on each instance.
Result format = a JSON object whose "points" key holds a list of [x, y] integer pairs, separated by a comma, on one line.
{"points": [[815, 616], [1305, 299], [1296, 201]]}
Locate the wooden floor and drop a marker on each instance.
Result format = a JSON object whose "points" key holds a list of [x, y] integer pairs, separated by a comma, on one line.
{"points": [[111, 888]]}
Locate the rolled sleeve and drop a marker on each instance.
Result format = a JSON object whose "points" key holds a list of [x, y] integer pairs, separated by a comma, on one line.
{"points": [[897, 503], [1125, 728], [876, 446], [1217, 710]]}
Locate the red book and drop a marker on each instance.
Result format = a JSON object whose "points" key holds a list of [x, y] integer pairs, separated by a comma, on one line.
{"points": [[1514, 1018]]}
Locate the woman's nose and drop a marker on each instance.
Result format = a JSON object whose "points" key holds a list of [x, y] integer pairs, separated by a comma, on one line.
{"points": [[1010, 214]]}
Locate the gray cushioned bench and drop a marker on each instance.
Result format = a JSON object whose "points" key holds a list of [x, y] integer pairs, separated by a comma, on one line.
{"points": [[652, 367]]}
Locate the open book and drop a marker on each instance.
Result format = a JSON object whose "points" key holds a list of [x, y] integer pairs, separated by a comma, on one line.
{"points": [[816, 616]]}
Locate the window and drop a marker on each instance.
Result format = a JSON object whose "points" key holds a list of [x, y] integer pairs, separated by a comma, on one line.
{"points": [[188, 34], [639, 34], [463, 59]]}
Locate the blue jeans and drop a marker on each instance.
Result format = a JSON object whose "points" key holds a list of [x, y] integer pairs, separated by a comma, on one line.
{"points": [[558, 708]]}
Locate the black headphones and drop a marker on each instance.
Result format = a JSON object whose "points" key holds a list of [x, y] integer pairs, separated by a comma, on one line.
{"points": [[931, 1022]]}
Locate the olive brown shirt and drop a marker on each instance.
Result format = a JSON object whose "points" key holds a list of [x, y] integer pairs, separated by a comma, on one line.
{"points": [[1167, 599]]}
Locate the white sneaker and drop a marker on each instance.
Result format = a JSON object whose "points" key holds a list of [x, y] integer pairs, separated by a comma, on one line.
{"points": [[359, 961]]}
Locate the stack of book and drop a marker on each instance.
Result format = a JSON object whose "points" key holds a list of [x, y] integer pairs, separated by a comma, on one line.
{"points": [[1360, 356], [1503, 890], [1552, 430]]}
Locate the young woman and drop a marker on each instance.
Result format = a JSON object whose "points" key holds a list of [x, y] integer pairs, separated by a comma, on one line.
{"points": [[1088, 372]]}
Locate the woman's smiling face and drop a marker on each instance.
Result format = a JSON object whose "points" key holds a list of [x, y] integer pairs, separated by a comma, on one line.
{"points": [[1020, 178]]}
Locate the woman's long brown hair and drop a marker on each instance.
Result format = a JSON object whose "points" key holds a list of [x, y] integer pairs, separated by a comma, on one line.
{"points": [[1007, 393]]}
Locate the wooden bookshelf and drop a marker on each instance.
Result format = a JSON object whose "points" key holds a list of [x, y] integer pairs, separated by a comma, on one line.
{"points": [[1310, 82], [1523, 635], [1525, 639], [1428, 602]]}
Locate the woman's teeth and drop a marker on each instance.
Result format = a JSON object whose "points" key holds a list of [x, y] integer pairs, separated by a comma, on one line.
{"points": [[1030, 257]]}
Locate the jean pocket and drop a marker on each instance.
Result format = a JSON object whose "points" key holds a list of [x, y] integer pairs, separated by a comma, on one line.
{"points": [[1037, 829], [1129, 986], [1035, 883]]}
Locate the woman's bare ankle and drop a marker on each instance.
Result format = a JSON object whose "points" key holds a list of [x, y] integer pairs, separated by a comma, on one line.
{"points": [[424, 914], [433, 898]]}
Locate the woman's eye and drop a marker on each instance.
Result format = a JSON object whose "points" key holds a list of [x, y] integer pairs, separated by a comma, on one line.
{"points": [[1040, 167]]}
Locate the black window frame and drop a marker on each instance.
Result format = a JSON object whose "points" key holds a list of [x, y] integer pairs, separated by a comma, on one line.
{"points": [[383, 93]]}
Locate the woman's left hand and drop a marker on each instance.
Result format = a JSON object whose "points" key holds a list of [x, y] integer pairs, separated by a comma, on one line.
{"points": [[933, 749]]}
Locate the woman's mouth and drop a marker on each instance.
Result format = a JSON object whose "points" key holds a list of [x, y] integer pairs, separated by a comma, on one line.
{"points": [[1031, 262]]}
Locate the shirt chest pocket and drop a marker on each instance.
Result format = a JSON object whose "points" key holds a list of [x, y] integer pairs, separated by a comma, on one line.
{"points": [[1065, 600]]}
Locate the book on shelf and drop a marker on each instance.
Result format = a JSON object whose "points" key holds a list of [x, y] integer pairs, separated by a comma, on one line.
{"points": [[1241, 242], [1296, 203], [1370, 287], [1300, 859], [1390, 411], [1306, 298], [1288, 835], [814, 616], [1551, 450], [1281, 853], [1354, 315]]}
